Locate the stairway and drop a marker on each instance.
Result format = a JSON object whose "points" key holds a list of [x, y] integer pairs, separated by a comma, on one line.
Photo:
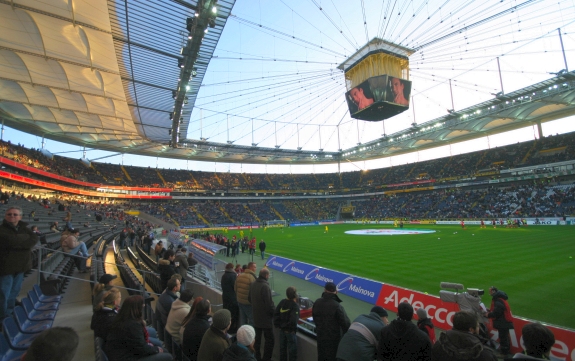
{"points": [[277, 213], [161, 178], [252, 213], [126, 173]]}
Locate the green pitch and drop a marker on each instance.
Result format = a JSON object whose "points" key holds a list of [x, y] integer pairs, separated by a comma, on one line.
{"points": [[532, 264]]}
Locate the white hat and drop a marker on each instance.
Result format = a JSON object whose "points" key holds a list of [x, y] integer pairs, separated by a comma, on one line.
{"points": [[246, 335]]}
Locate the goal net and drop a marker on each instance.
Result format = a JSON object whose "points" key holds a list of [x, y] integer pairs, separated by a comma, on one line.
{"points": [[276, 223]]}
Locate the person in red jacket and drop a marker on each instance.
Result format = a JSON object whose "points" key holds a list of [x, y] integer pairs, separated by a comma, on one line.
{"points": [[500, 312], [424, 324]]}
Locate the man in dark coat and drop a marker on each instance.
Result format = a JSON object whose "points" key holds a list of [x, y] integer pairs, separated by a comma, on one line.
{"points": [[16, 242], [263, 307], [229, 299], [167, 267], [401, 340], [331, 322], [164, 304], [500, 312], [262, 246], [461, 343]]}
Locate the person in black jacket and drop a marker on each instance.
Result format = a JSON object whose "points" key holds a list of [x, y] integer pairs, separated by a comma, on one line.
{"points": [[538, 341], [401, 340], [260, 297], [500, 312], [462, 343], [127, 339], [243, 348], [286, 317], [229, 299], [167, 267], [194, 326], [105, 312], [331, 322], [16, 243]]}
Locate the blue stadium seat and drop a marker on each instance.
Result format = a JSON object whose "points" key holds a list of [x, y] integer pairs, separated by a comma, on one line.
{"points": [[6, 353], [99, 349], [27, 326], [44, 298], [16, 339], [42, 306], [34, 315]]}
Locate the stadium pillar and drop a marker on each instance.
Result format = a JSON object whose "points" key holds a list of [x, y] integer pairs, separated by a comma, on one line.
{"points": [[539, 129]]}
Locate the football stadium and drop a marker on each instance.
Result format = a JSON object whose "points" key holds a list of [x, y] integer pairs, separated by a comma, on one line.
{"points": [[172, 170]]}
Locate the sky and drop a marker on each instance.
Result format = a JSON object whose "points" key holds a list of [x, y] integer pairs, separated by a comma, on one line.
{"points": [[274, 80]]}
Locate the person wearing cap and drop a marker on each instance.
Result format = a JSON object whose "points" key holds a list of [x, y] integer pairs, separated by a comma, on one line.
{"points": [[462, 342], [401, 340], [105, 284], [243, 348], [538, 341], [360, 342], [263, 308], [331, 322], [181, 262], [286, 318], [424, 324], [500, 312], [216, 339], [180, 309]]}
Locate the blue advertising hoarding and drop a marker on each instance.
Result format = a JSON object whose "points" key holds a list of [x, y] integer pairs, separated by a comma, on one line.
{"points": [[353, 286]]}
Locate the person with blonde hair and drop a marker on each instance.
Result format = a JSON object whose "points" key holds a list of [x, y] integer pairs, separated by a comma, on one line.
{"points": [[105, 312], [104, 284]]}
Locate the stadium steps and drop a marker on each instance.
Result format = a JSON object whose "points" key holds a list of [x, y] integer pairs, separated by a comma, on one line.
{"points": [[126, 173], [218, 179], [269, 181], [252, 213], [199, 215], [226, 214], [194, 180], [247, 180], [97, 171], [277, 213], [161, 177], [411, 171], [483, 155], [533, 147]]}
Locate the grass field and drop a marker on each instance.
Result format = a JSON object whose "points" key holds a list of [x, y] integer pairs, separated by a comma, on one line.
{"points": [[532, 264]]}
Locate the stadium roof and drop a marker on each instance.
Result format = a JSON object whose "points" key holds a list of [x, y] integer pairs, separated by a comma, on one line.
{"points": [[116, 76]]}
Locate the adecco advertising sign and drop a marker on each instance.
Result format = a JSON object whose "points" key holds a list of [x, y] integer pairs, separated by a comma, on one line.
{"points": [[389, 297], [356, 287]]}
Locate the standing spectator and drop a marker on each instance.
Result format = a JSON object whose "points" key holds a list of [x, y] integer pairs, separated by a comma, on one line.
{"points": [[131, 237], [424, 324], [16, 243], [262, 246], [229, 299], [402, 340], [167, 267], [181, 263], [252, 246], [128, 339], [462, 342], [54, 227], [194, 326], [242, 288], [243, 348], [538, 341], [147, 243], [159, 250], [331, 322], [263, 308], [216, 339], [179, 310], [500, 312], [286, 318], [360, 342], [123, 236]]}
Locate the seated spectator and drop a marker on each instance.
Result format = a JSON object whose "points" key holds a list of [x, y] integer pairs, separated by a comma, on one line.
{"points": [[128, 338], [180, 309], [104, 285], [54, 344], [216, 340], [243, 348], [164, 303], [41, 236], [462, 343], [105, 312], [194, 326], [538, 341], [72, 246], [54, 227], [167, 267]]}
